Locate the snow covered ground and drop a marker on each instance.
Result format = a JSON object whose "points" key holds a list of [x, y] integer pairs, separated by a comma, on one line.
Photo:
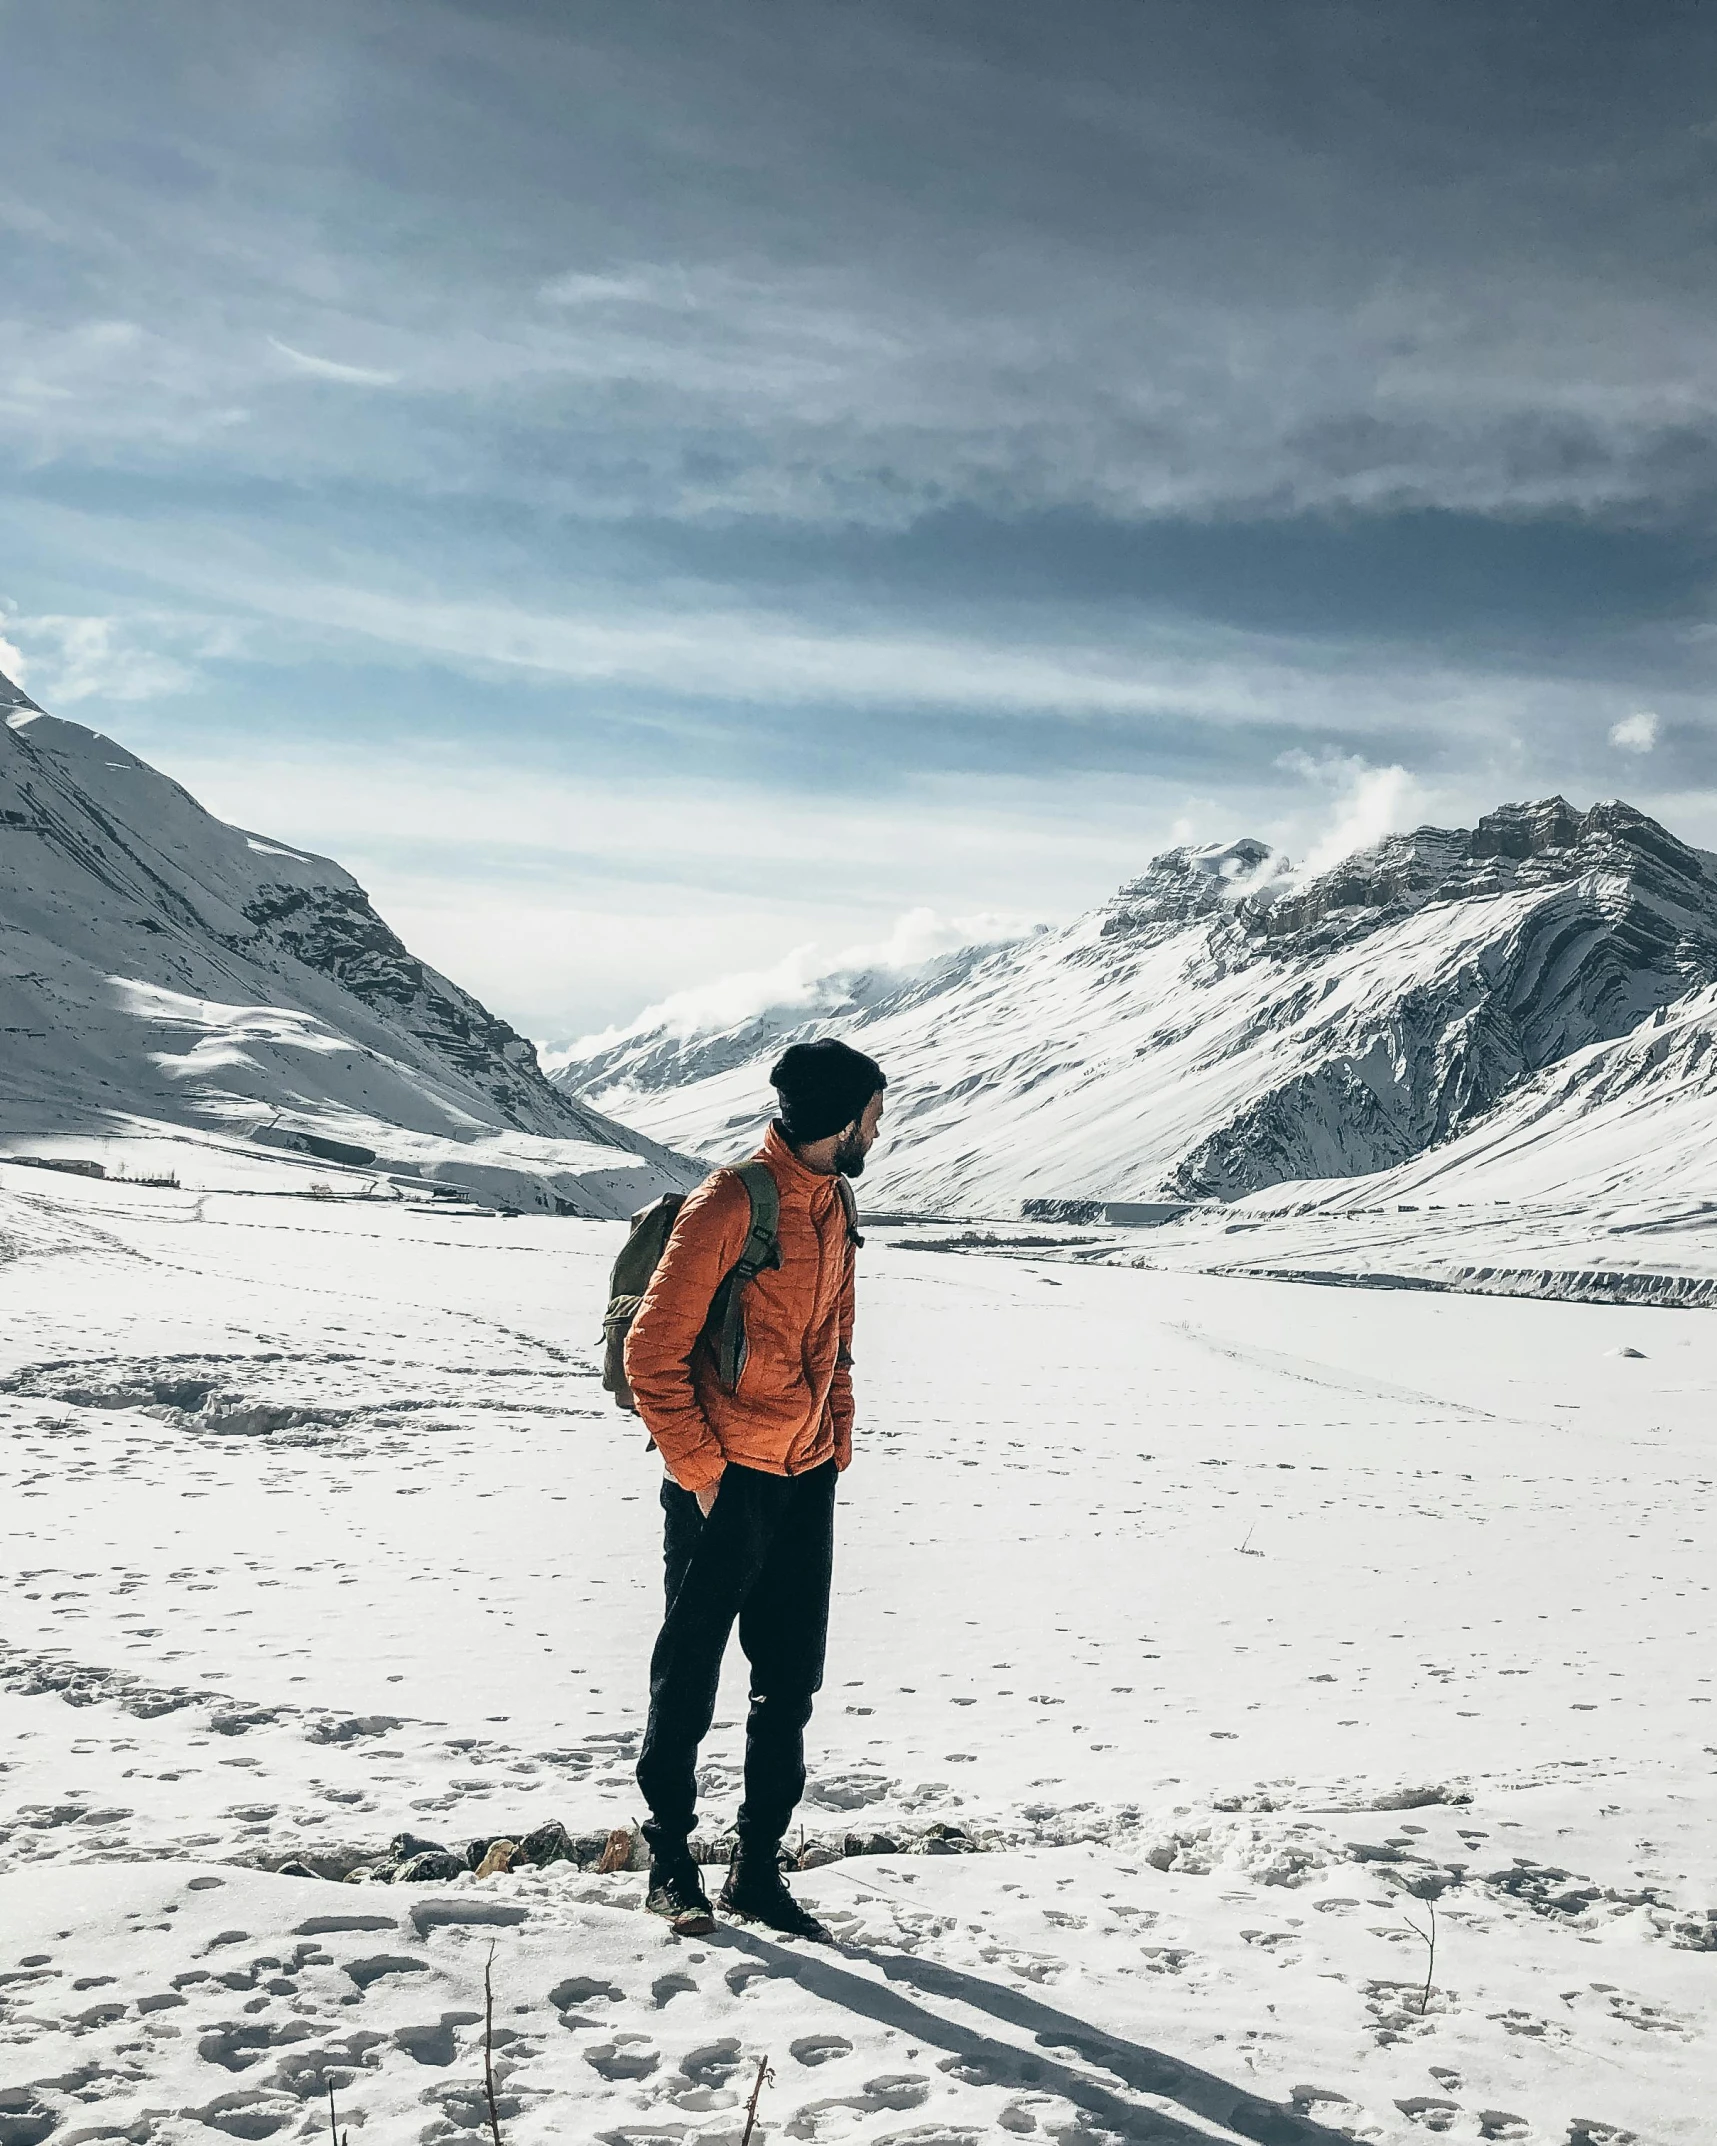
{"points": [[1236, 1618], [1657, 1252]]}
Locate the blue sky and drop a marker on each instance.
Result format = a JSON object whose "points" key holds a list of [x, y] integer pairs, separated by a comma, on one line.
{"points": [[653, 488]]}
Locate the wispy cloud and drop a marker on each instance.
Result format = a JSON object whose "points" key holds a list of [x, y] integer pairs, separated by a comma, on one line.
{"points": [[836, 339], [1157, 669], [805, 978], [329, 369]]}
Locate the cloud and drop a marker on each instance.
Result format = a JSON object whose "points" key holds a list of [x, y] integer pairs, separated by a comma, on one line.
{"points": [[1368, 803], [713, 307], [806, 978], [1021, 663], [754, 655], [330, 369], [657, 278], [73, 659], [1636, 733]]}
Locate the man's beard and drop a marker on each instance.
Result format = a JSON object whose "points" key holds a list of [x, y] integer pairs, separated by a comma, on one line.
{"points": [[849, 1156]]}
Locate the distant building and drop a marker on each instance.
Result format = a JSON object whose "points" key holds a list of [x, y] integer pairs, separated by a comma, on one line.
{"points": [[70, 1164]]}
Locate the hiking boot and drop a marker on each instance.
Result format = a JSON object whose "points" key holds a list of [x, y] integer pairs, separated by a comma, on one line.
{"points": [[757, 1892], [676, 1894]]}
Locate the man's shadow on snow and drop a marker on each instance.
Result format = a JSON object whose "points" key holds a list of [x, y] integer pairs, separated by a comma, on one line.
{"points": [[984, 2061]]}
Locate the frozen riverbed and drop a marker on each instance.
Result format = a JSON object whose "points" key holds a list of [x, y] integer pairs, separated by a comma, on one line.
{"points": [[1236, 1616]]}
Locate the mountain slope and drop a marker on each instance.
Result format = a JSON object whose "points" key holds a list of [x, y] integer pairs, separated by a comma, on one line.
{"points": [[1624, 1120], [657, 1054], [160, 968], [1217, 1027], [1594, 1181]]}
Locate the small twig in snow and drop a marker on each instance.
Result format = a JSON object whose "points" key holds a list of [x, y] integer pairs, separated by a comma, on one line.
{"points": [[489, 2044], [1244, 1550], [1427, 1938], [764, 2075]]}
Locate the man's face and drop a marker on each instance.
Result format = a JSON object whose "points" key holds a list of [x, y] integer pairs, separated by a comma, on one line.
{"points": [[859, 1138]]}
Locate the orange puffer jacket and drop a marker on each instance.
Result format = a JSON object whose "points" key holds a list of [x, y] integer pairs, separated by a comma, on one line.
{"points": [[793, 1407]]}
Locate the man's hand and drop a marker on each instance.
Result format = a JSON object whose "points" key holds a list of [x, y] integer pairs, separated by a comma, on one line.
{"points": [[706, 1497]]}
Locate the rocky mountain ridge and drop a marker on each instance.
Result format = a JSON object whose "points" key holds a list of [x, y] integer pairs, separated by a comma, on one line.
{"points": [[1221, 1024]]}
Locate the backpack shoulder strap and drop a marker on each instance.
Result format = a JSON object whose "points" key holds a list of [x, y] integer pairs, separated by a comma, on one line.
{"points": [[762, 1248], [849, 1204], [763, 1242]]}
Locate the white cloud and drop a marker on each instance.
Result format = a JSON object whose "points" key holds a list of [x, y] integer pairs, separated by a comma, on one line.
{"points": [[642, 284], [331, 369], [1636, 733], [751, 655], [807, 976], [75, 658], [1368, 803]]}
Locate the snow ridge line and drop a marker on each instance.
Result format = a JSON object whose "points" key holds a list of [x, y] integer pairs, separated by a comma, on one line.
{"points": [[1590, 1285], [1593, 1285]]}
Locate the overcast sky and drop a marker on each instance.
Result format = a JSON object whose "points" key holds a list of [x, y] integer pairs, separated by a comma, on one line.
{"points": [[652, 487]]}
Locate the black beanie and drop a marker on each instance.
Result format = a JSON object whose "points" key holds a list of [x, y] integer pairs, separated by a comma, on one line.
{"points": [[823, 1087]]}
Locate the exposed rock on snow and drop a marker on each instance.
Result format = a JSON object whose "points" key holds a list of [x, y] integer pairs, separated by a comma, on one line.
{"points": [[1219, 1026], [162, 973]]}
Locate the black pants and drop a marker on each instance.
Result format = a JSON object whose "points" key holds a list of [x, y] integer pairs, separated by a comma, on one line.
{"points": [[765, 1555]]}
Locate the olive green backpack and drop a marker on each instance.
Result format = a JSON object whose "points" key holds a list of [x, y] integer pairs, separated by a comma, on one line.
{"points": [[724, 1329]]}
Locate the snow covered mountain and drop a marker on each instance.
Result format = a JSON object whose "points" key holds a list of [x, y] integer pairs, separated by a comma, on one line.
{"points": [[658, 1054], [1220, 1026], [1626, 1120], [163, 974]]}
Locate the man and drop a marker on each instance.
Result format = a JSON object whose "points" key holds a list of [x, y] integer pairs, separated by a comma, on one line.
{"points": [[749, 1497]]}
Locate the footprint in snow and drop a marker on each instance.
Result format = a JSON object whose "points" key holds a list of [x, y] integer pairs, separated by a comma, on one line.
{"points": [[1432, 2112], [567, 1996], [628, 2056], [364, 1972], [893, 2091], [819, 2048], [704, 2077], [437, 2044]]}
